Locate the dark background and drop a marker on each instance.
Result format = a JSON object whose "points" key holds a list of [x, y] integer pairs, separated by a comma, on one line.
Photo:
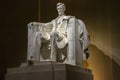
{"points": [[14, 17], [16, 14]]}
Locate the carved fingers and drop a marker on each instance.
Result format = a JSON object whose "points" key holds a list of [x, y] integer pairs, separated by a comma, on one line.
{"points": [[36, 24]]}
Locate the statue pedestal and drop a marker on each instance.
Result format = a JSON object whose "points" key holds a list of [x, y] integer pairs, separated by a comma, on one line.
{"points": [[49, 71]]}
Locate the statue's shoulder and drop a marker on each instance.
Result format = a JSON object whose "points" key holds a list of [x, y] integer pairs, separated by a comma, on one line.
{"points": [[73, 17], [81, 22], [54, 20], [78, 19], [66, 17]]}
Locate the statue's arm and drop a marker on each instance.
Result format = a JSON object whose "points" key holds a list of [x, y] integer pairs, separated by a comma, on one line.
{"points": [[46, 25]]}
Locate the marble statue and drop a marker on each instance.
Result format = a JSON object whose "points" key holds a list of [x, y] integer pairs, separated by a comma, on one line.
{"points": [[64, 39]]}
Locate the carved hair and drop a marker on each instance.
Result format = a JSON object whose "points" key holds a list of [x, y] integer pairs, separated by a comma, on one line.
{"points": [[61, 4]]}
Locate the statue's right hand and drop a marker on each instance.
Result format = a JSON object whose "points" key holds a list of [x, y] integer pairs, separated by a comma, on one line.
{"points": [[30, 24], [36, 24]]}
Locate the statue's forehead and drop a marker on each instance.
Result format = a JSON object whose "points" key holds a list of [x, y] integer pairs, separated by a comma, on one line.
{"points": [[60, 6]]}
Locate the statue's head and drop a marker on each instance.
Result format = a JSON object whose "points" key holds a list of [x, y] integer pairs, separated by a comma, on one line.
{"points": [[60, 8]]}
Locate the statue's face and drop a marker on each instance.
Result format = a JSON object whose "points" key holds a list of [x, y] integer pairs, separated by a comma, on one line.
{"points": [[61, 10]]}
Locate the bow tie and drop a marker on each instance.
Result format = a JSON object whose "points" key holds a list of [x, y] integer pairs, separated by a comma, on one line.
{"points": [[62, 19]]}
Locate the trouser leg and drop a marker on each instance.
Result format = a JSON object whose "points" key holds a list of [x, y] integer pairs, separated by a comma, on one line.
{"points": [[53, 44]]}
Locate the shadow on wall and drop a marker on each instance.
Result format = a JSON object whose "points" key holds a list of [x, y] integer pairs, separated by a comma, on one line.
{"points": [[102, 66]]}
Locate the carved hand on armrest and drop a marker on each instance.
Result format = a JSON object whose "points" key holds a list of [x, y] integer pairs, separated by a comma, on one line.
{"points": [[36, 24]]}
